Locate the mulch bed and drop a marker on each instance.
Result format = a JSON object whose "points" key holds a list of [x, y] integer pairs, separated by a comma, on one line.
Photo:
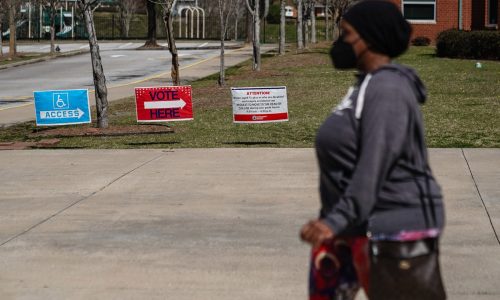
{"points": [[110, 131]]}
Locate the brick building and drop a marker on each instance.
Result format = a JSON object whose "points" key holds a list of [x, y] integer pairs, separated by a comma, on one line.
{"points": [[430, 17]]}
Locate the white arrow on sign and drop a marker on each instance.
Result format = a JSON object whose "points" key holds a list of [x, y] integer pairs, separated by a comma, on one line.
{"points": [[164, 104], [62, 114], [80, 113]]}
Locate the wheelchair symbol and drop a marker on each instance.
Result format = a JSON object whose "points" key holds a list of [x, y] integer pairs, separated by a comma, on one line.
{"points": [[60, 101]]}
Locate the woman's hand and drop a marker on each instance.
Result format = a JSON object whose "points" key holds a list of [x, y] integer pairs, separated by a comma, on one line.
{"points": [[315, 233]]}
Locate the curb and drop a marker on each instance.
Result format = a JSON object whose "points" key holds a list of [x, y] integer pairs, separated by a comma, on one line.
{"points": [[78, 52], [42, 59], [194, 48]]}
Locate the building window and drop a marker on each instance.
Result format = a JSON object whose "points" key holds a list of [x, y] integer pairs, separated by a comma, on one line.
{"points": [[419, 10], [493, 12]]}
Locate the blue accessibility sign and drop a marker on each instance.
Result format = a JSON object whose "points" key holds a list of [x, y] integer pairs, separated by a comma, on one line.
{"points": [[62, 107]]}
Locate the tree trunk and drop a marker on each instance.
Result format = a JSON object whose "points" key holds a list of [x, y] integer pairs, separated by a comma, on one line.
{"points": [[256, 39], [249, 18], [222, 74], [306, 33], [236, 19], [255, 12], [300, 37], [172, 47], [127, 26], [327, 20], [123, 21], [101, 91], [282, 28], [126, 15], [336, 24], [266, 9], [12, 28], [1, 36], [313, 25], [52, 26], [151, 42]]}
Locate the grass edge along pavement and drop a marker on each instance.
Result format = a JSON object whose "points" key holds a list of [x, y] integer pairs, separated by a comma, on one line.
{"points": [[26, 58], [462, 111]]}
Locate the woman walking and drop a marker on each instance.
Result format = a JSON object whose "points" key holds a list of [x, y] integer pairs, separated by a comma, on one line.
{"points": [[381, 208]]}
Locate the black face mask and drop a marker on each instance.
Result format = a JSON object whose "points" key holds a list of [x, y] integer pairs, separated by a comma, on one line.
{"points": [[343, 55]]}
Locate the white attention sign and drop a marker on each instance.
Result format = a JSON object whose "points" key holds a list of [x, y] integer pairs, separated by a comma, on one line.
{"points": [[259, 104]]}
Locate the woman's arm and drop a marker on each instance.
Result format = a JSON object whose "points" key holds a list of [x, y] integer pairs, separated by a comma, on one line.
{"points": [[383, 132]]}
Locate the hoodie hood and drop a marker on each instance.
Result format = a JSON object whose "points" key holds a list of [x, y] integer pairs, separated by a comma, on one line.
{"points": [[412, 77]]}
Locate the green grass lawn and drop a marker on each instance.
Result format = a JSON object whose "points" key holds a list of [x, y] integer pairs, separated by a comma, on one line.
{"points": [[463, 109], [464, 102]]}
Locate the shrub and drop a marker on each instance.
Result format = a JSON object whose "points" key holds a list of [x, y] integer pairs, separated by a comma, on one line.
{"points": [[273, 17], [421, 41], [468, 44]]}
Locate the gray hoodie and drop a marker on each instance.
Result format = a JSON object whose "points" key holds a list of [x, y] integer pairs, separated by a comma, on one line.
{"points": [[374, 172]]}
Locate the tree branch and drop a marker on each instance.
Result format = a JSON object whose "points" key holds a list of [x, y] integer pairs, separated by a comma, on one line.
{"points": [[249, 7], [266, 9]]}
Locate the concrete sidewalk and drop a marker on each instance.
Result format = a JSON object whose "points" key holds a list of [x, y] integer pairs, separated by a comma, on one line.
{"points": [[205, 223], [14, 115]]}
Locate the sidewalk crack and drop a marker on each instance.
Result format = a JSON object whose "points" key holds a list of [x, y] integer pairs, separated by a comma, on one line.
{"points": [[481, 197], [77, 202]]}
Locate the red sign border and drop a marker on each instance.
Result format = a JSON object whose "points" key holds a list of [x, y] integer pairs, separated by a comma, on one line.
{"points": [[160, 121]]}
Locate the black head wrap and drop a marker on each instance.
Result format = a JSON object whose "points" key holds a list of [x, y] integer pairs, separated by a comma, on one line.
{"points": [[381, 24]]}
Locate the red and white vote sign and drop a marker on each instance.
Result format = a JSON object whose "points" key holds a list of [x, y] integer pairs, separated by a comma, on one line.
{"points": [[259, 104], [160, 104]]}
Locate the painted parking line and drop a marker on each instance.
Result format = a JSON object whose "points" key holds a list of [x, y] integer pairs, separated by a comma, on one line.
{"points": [[169, 72], [125, 45]]}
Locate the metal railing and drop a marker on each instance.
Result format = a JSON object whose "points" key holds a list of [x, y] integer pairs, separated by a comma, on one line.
{"points": [[108, 27]]}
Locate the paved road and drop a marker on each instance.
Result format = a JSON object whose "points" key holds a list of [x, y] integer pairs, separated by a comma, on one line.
{"points": [[44, 47], [121, 65], [205, 223]]}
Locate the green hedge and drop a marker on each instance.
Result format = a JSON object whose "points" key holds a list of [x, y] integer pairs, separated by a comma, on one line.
{"points": [[274, 15], [469, 44]]}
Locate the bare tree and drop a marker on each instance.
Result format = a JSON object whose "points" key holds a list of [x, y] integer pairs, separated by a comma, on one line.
{"points": [[327, 19], [12, 9], [281, 50], [239, 11], [151, 10], [2, 9], [338, 8], [312, 17], [306, 22], [253, 7], [226, 8], [52, 6], [309, 16], [300, 35], [127, 11], [167, 7], [249, 21], [101, 91], [210, 6]]}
